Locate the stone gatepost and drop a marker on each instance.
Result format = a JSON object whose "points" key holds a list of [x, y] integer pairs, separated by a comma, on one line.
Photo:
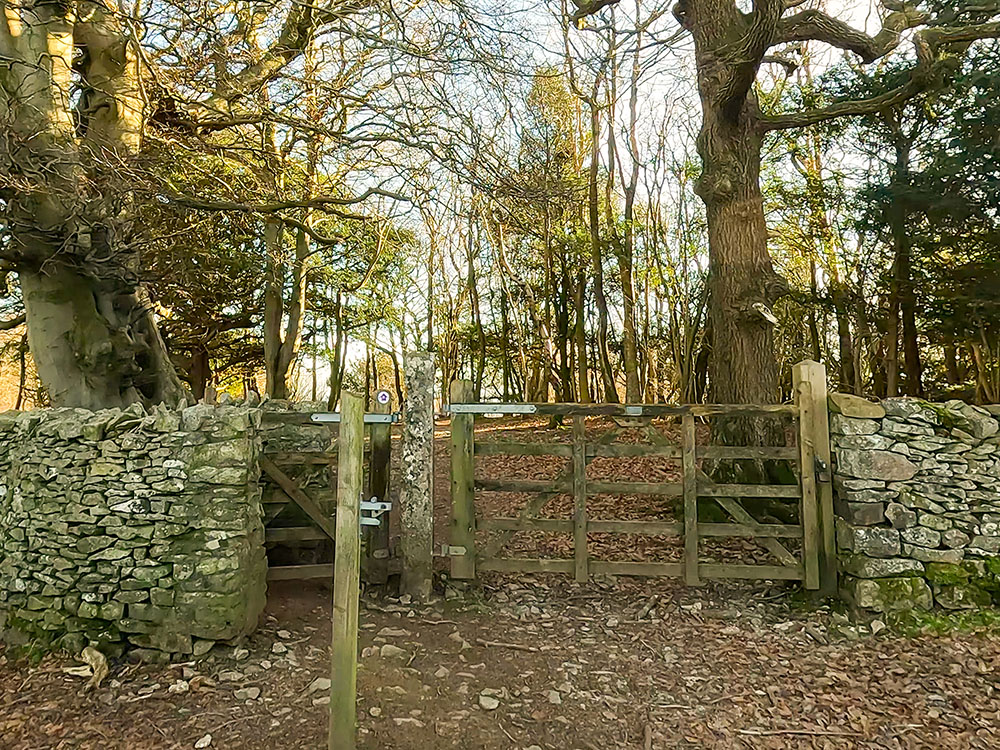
{"points": [[417, 480]]}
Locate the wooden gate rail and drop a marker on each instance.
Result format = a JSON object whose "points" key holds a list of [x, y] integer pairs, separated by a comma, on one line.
{"points": [[815, 549]]}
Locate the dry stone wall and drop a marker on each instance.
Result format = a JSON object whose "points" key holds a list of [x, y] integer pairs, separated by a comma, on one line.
{"points": [[917, 499], [127, 528]]}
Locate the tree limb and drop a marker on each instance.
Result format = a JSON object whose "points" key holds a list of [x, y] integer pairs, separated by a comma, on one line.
{"points": [[928, 43], [814, 25], [845, 109], [7, 325], [746, 54], [586, 8]]}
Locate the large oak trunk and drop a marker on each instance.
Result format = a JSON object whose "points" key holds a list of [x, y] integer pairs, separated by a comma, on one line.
{"points": [[742, 282]]}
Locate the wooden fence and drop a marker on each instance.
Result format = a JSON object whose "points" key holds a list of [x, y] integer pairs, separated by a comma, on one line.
{"points": [[813, 561]]}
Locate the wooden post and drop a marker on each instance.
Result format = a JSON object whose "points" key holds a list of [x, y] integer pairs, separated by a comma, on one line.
{"points": [[463, 506], [808, 507], [692, 576], [416, 500], [346, 575], [819, 428], [375, 565], [580, 553]]}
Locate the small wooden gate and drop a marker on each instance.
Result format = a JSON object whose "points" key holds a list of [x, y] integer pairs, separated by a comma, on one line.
{"points": [[300, 505], [802, 550]]}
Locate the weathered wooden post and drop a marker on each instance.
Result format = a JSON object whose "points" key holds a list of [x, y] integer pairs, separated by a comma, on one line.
{"points": [[346, 575], [815, 439], [375, 564], [463, 511], [417, 480]]}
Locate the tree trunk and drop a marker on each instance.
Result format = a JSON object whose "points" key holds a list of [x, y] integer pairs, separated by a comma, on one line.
{"points": [[94, 346], [742, 282], [604, 361], [583, 374], [905, 298]]}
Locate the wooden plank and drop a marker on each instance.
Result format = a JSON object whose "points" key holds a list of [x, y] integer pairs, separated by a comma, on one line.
{"points": [[629, 568], [756, 572], [374, 565], [294, 534], [271, 493], [643, 528], [808, 506], [463, 515], [742, 410], [299, 496], [690, 491], [712, 489], [662, 489], [518, 449], [647, 410], [751, 452], [548, 525], [621, 450], [303, 458], [740, 514], [815, 374], [285, 417], [636, 528], [300, 572], [549, 486], [525, 565], [580, 555], [771, 530], [346, 577]]}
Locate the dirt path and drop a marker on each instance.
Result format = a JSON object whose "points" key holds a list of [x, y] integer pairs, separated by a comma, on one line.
{"points": [[539, 663]]}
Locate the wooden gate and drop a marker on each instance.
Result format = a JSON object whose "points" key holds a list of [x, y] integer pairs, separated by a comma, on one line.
{"points": [[299, 505], [801, 549]]}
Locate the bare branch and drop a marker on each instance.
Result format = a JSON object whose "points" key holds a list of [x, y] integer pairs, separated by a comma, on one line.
{"points": [[814, 25], [844, 109], [788, 64], [7, 325], [929, 43]]}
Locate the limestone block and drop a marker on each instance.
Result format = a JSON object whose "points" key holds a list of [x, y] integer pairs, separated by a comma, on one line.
{"points": [[883, 465]]}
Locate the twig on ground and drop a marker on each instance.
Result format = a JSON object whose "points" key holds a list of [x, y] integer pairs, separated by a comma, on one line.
{"points": [[512, 646], [797, 732], [648, 606]]}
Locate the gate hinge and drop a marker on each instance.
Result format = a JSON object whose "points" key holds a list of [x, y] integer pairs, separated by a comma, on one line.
{"points": [[822, 470], [448, 550]]}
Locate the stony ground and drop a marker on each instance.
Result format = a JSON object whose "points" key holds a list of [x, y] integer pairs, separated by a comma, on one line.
{"points": [[539, 663]]}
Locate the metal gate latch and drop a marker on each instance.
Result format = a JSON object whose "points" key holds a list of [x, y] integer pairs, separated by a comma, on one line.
{"points": [[377, 510]]}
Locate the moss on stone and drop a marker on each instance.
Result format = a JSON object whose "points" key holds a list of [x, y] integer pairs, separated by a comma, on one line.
{"points": [[945, 573]]}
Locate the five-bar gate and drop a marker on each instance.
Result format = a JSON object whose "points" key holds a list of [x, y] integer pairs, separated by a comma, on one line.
{"points": [[801, 549]]}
